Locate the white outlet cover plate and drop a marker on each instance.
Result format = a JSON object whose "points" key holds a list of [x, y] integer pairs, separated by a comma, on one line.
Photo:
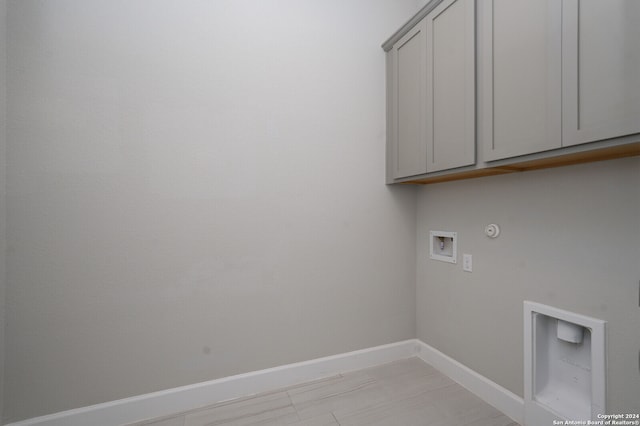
{"points": [[467, 262]]}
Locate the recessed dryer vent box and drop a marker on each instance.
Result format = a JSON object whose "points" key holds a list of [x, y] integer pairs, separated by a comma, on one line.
{"points": [[443, 246]]}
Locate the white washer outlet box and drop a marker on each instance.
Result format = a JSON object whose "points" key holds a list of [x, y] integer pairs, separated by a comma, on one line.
{"points": [[443, 246]]}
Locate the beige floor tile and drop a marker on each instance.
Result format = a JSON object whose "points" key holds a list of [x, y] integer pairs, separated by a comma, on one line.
{"points": [[408, 386], [351, 391], [312, 383], [322, 420], [500, 420], [321, 388], [255, 421], [162, 421], [478, 415], [406, 412], [402, 393], [407, 378], [412, 367], [274, 407], [452, 395]]}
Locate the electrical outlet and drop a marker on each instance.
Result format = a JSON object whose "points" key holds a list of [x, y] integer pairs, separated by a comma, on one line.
{"points": [[467, 262]]}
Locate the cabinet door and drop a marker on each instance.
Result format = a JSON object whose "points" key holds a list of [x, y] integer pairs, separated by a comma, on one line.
{"points": [[522, 59], [601, 69], [409, 147], [450, 111]]}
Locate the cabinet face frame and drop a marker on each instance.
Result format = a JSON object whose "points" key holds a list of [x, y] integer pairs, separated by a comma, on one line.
{"points": [[553, 91], [459, 149], [576, 63], [408, 157]]}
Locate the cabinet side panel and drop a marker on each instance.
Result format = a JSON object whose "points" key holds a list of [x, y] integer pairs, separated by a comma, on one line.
{"points": [[411, 146], [391, 106]]}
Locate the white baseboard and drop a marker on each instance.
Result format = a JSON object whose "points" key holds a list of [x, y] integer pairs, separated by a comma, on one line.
{"points": [[502, 399], [184, 398]]}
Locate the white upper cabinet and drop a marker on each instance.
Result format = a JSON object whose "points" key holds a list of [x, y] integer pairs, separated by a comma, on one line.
{"points": [[450, 109], [601, 69], [408, 97], [521, 64]]}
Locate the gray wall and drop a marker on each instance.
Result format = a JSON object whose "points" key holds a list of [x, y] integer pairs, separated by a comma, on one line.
{"points": [[570, 238], [195, 190], [3, 198]]}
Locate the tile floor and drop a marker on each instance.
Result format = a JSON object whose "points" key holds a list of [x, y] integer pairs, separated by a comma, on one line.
{"points": [[403, 393]]}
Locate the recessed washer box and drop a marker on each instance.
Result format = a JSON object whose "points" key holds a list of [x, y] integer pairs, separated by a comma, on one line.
{"points": [[443, 246], [564, 366]]}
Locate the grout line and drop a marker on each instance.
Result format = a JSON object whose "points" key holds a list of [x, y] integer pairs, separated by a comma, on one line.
{"points": [[335, 418]]}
